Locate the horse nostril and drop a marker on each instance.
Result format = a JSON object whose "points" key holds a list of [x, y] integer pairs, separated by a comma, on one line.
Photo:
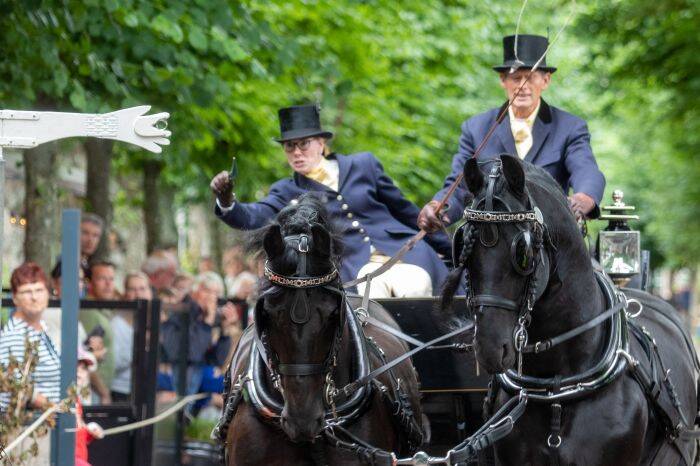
{"points": [[504, 354]]}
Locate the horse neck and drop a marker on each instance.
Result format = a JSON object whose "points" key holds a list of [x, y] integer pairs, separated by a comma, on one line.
{"points": [[571, 298]]}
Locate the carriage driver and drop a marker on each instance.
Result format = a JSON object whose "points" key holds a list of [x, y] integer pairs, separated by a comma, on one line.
{"points": [[537, 132], [374, 216]]}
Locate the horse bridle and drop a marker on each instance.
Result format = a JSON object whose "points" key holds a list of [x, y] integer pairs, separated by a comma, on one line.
{"points": [[300, 314], [526, 252]]}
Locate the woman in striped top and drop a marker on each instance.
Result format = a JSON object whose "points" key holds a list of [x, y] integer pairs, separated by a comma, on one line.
{"points": [[30, 294]]}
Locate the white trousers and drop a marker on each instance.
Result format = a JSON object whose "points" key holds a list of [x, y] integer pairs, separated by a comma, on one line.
{"points": [[400, 281]]}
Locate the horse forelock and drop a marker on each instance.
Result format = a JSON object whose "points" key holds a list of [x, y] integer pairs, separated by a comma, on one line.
{"points": [[295, 219]]}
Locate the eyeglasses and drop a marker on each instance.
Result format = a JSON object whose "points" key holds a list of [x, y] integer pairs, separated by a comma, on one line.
{"points": [[290, 146], [33, 292]]}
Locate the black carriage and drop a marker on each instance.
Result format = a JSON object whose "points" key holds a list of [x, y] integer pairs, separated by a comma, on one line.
{"points": [[452, 387]]}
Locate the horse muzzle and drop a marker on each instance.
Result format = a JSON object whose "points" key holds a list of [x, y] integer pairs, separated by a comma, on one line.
{"points": [[494, 350], [301, 429]]}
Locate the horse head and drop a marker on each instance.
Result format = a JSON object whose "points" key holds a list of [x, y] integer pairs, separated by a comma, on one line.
{"points": [[300, 316], [504, 250]]}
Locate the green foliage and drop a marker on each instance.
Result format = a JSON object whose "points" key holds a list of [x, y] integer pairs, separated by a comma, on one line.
{"points": [[200, 429], [16, 380], [394, 78], [648, 52]]}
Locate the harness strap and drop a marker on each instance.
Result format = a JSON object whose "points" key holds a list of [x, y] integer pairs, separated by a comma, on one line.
{"points": [[544, 345], [390, 263], [497, 427], [352, 387], [554, 438], [662, 396], [408, 338], [493, 301], [392, 330], [301, 369], [367, 453]]}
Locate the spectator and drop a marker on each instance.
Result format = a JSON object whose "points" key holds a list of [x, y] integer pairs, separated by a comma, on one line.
{"points": [[101, 285], [182, 286], [205, 343], [161, 267], [165, 388], [100, 337], [56, 281], [206, 264], [85, 433], [30, 295], [53, 315], [135, 287], [91, 228], [240, 282], [117, 253]]}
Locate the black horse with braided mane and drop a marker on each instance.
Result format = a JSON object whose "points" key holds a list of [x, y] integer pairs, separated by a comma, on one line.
{"points": [[281, 397], [609, 376]]}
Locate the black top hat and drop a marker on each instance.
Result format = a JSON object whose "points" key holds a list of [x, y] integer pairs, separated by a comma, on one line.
{"points": [[530, 49], [301, 121]]}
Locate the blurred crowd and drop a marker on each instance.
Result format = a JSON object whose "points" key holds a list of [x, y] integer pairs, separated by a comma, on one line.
{"points": [[209, 306]]}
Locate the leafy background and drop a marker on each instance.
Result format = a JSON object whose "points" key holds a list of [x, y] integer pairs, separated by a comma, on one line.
{"points": [[394, 78]]}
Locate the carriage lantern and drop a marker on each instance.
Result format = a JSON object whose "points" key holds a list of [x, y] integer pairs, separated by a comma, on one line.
{"points": [[618, 244]]}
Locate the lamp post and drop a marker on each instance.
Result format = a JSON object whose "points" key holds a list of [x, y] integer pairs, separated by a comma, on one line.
{"points": [[28, 129], [619, 245]]}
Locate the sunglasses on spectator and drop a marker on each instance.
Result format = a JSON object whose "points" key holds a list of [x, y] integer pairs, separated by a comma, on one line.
{"points": [[290, 146]]}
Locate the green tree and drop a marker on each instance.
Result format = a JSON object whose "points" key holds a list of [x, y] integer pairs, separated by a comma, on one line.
{"points": [[647, 51]]}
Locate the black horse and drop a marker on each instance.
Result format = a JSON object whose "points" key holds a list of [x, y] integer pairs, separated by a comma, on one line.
{"points": [[305, 343], [602, 394]]}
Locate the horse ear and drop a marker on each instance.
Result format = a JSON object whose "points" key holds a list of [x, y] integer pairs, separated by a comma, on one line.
{"points": [[514, 173], [273, 242], [322, 240], [473, 176]]}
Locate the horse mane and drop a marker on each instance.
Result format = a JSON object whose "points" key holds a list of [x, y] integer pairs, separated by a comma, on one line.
{"points": [[295, 219]]}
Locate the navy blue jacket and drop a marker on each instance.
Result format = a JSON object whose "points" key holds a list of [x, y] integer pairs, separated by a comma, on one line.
{"points": [[368, 208], [561, 144]]}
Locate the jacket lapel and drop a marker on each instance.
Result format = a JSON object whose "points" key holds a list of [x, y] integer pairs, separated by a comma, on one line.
{"points": [[309, 184], [540, 131], [505, 134], [344, 167]]}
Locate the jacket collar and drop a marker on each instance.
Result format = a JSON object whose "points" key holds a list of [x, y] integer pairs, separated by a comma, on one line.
{"points": [[344, 167], [540, 131], [504, 133]]}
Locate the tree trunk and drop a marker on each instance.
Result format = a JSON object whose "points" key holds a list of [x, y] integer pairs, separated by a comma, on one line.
{"points": [[98, 199], [41, 205], [158, 208]]}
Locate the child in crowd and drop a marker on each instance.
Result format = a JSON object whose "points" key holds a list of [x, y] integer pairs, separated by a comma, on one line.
{"points": [[85, 433]]}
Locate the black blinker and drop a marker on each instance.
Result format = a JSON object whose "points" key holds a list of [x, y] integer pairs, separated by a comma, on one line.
{"points": [[522, 253]]}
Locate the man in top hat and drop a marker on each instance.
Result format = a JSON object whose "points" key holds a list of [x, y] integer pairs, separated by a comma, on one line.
{"points": [[374, 215], [533, 130]]}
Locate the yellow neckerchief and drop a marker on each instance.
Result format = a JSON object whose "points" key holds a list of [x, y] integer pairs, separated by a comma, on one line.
{"points": [[322, 174], [522, 130]]}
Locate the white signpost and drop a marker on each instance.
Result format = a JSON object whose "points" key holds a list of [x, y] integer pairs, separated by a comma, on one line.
{"points": [[28, 129]]}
